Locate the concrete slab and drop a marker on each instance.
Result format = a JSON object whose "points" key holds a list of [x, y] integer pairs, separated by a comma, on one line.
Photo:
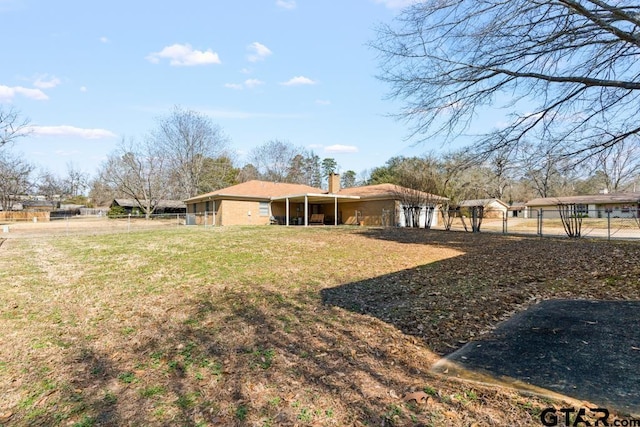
{"points": [[580, 349]]}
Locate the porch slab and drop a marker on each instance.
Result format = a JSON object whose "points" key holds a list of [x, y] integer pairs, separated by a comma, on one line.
{"points": [[581, 349]]}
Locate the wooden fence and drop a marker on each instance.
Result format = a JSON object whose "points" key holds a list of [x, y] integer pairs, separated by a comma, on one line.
{"points": [[24, 216]]}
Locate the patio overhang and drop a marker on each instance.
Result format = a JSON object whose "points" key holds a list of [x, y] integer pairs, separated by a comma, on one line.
{"points": [[312, 198]]}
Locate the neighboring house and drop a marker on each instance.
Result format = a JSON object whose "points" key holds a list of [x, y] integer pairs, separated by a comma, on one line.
{"points": [[618, 205], [163, 206], [30, 210], [493, 208], [518, 210], [261, 202]]}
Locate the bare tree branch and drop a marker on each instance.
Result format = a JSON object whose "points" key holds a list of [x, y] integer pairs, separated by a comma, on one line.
{"points": [[139, 171], [575, 61], [12, 126]]}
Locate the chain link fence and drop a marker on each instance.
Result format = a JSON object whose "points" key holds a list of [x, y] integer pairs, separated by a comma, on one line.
{"points": [[88, 224], [539, 222], [547, 222]]}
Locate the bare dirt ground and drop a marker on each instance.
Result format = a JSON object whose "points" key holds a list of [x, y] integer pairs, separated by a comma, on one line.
{"points": [[275, 326], [83, 226]]}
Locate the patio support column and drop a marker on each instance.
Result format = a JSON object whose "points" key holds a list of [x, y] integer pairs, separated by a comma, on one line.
{"points": [[335, 210], [287, 210], [306, 211]]}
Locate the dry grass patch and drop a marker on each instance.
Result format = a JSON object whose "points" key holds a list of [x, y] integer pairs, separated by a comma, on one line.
{"points": [[270, 325]]}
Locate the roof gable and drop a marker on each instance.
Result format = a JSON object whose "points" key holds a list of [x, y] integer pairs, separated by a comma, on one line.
{"points": [[383, 191], [610, 198], [482, 202], [259, 189], [266, 190]]}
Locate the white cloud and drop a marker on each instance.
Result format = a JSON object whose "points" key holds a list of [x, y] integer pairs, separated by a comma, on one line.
{"points": [[248, 84], [83, 88], [298, 81], [396, 4], [245, 71], [251, 83], [7, 93], [67, 152], [258, 52], [234, 114], [183, 55], [337, 148], [71, 131], [323, 102], [286, 4], [236, 86], [46, 82], [104, 39]]}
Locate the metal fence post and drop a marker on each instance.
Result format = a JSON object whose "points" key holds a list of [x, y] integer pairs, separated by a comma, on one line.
{"points": [[129, 224], [540, 222], [505, 217], [608, 224]]}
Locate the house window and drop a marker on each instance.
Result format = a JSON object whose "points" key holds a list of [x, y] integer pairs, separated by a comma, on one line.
{"points": [[582, 209], [208, 206], [264, 209]]}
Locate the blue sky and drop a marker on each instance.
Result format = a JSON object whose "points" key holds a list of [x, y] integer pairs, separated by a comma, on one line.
{"points": [[88, 73]]}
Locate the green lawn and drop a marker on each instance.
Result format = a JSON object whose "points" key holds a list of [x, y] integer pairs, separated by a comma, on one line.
{"points": [[256, 325]]}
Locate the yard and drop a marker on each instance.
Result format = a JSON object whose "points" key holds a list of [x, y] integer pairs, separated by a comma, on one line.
{"points": [[275, 326]]}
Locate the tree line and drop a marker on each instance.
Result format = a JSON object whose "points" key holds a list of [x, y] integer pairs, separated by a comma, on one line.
{"points": [[186, 154], [460, 176]]}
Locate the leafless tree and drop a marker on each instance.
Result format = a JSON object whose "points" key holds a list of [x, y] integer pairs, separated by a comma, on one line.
{"points": [[50, 185], [138, 170], [12, 125], [76, 181], [577, 62], [102, 194], [248, 172], [188, 139], [547, 171], [416, 193], [618, 164], [475, 213], [15, 178], [571, 219], [273, 159], [448, 211], [411, 202], [305, 168], [501, 166], [281, 161]]}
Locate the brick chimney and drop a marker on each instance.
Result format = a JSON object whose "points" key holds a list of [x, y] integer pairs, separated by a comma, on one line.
{"points": [[334, 183]]}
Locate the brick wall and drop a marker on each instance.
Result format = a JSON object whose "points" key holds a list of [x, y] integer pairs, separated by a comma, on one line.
{"points": [[236, 212], [370, 212]]}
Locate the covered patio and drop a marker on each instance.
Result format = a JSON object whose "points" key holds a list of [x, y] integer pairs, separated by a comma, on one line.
{"points": [[308, 209]]}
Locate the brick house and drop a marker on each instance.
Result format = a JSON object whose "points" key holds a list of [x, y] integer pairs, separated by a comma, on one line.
{"points": [[262, 202], [617, 205]]}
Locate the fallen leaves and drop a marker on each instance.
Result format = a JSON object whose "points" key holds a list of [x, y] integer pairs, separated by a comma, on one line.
{"points": [[417, 396], [458, 299]]}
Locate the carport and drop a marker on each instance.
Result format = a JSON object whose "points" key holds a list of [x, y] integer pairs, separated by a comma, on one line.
{"points": [[310, 199]]}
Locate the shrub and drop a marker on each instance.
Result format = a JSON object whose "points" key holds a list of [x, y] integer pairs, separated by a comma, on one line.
{"points": [[116, 211]]}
